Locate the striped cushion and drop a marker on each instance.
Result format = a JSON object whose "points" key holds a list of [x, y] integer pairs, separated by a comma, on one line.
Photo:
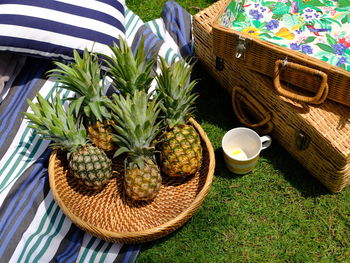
{"points": [[53, 28]]}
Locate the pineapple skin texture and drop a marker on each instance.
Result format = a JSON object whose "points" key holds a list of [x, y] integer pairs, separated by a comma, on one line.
{"points": [[100, 134], [91, 166], [142, 183], [181, 151]]}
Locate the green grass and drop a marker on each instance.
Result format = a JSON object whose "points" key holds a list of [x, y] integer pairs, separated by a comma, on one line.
{"points": [[151, 9], [278, 213]]}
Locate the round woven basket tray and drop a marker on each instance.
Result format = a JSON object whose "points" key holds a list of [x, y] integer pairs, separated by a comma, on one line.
{"points": [[112, 216]]}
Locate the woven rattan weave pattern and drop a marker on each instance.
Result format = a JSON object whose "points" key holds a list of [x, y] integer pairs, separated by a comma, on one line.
{"points": [[262, 56], [327, 125], [110, 215]]}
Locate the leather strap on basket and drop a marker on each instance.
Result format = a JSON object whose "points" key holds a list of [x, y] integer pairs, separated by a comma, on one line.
{"points": [[320, 96], [241, 96]]}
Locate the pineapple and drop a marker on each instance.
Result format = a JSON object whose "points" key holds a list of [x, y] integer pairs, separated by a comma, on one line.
{"points": [[129, 72], [87, 163], [136, 127], [180, 145], [83, 76], [100, 134]]}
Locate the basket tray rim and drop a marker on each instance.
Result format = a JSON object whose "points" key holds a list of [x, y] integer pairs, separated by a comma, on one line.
{"points": [[115, 236]]}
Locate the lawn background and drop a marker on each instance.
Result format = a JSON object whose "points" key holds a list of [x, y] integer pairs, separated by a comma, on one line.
{"points": [[278, 213]]}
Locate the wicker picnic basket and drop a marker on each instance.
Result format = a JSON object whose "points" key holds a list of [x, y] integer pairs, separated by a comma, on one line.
{"points": [[317, 136], [317, 79], [111, 216]]}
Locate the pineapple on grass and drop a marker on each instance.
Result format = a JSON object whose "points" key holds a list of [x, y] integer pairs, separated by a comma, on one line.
{"points": [[84, 77], [136, 127], [129, 72], [87, 163], [180, 144]]}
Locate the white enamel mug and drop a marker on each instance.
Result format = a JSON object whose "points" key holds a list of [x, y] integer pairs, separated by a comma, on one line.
{"points": [[241, 147]]}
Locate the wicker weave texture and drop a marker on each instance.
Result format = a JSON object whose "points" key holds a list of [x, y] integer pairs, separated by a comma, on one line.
{"points": [[261, 56], [328, 155], [112, 216]]}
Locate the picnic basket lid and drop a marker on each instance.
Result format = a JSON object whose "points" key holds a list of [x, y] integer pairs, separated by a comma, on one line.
{"points": [[316, 80]]}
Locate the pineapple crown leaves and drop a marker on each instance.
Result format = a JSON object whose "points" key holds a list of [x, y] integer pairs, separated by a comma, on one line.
{"points": [[174, 89], [84, 77], [129, 72], [137, 124], [53, 123]]}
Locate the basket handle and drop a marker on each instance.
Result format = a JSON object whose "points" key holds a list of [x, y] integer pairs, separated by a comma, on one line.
{"points": [[320, 96], [239, 96]]}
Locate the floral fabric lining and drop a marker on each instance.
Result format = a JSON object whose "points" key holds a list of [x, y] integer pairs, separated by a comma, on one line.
{"points": [[319, 28]]}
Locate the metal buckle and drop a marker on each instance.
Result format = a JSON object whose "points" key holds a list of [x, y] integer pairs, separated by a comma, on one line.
{"points": [[219, 63], [242, 47], [302, 140]]}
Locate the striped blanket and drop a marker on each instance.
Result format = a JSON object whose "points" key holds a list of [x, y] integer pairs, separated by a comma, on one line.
{"points": [[32, 226]]}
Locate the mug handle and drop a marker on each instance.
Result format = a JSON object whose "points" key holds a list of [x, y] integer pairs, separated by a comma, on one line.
{"points": [[265, 141]]}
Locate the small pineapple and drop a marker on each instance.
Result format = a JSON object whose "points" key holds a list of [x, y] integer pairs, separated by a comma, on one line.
{"points": [[100, 134], [83, 76], [87, 163], [136, 127], [180, 145], [129, 72]]}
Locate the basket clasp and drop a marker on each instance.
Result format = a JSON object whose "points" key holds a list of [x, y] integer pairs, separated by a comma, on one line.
{"points": [[302, 140], [219, 64], [242, 47]]}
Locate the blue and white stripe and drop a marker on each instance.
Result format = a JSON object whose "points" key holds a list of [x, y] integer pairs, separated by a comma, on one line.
{"points": [[54, 28], [32, 227]]}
